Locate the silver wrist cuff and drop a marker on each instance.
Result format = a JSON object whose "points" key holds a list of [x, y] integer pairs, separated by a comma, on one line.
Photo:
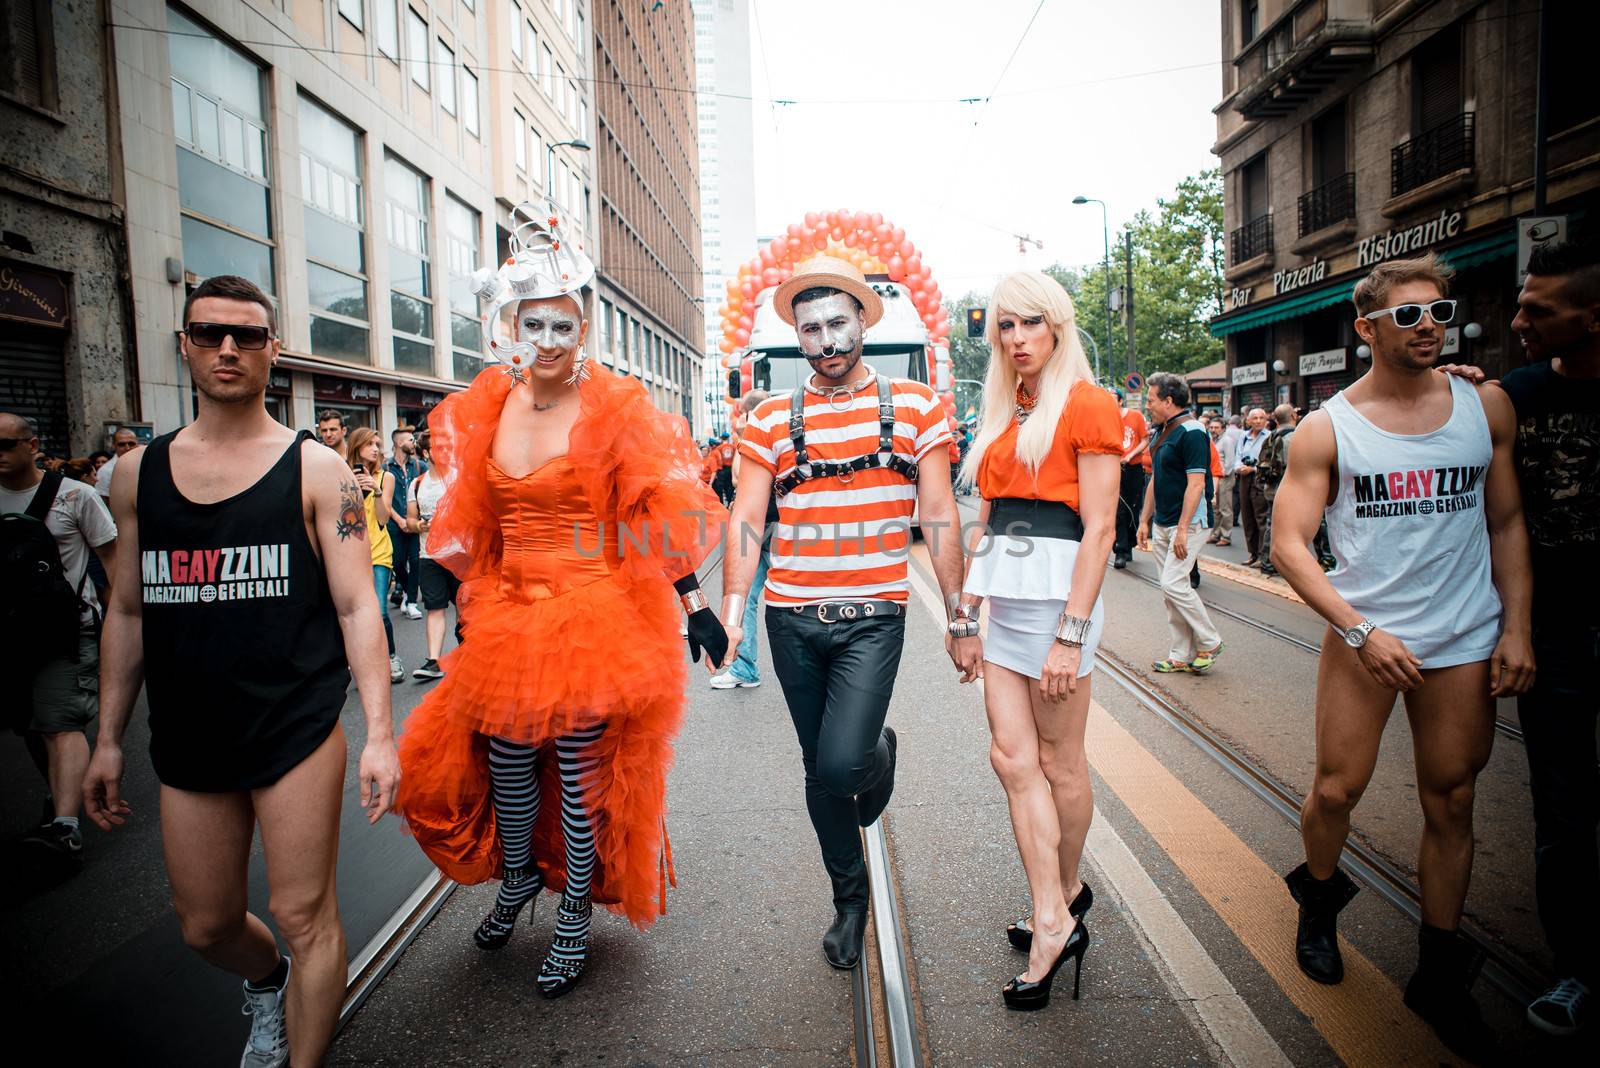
{"points": [[1072, 630], [694, 601], [733, 610]]}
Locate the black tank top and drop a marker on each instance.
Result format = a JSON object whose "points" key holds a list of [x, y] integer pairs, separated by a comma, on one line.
{"points": [[243, 659]]}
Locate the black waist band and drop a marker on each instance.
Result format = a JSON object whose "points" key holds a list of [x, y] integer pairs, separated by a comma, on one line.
{"points": [[1023, 517]]}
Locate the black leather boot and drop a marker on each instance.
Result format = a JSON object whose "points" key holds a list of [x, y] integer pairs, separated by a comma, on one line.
{"points": [[1316, 939], [1440, 992], [842, 944]]}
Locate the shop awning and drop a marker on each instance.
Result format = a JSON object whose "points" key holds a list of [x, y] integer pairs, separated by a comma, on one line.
{"points": [[1482, 250], [1282, 309]]}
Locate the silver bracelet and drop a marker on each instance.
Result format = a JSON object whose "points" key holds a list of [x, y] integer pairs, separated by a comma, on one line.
{"points": [[733, 610], [1072, 630], [694, 601]]}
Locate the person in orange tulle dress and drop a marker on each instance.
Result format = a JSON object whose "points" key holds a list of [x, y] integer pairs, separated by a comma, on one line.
{"points": [[572, 511]]}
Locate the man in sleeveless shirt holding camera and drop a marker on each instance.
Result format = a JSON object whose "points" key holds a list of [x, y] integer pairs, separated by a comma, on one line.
{"points": [[1431, 601]]}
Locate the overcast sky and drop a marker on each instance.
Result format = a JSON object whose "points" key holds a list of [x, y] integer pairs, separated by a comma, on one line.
{"points": [[1078, 111]]}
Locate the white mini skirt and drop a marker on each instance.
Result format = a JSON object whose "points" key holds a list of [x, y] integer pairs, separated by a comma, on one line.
{"points": [[1008, 573], [1021, 633]]}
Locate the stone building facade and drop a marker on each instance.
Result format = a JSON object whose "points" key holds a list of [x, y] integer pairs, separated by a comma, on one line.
{"points": [[1356, 131], [66, 355]]}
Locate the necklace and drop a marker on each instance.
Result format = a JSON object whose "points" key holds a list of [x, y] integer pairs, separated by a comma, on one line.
{"points": [[1026, 402], [839, 396], [545, 407]]}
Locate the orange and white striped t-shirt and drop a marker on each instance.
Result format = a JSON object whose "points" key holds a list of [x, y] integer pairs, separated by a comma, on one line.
{"points": [[838, 541]]}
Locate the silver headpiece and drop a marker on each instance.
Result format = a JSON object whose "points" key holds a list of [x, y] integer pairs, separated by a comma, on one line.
{"points": [[543, 264]]}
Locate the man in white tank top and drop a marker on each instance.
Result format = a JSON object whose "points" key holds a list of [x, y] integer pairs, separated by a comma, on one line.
{"points": [[1431, 600]]}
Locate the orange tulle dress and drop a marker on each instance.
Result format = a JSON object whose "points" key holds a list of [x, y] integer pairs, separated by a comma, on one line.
{"points": [[569, 621]]}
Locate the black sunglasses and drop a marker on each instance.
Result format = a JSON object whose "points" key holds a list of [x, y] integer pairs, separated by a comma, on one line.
{"points": [[7, 444], [210, 335], [1408, 315]]}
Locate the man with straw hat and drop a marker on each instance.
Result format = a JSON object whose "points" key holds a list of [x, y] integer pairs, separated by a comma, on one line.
{"points": [[849, 455]]}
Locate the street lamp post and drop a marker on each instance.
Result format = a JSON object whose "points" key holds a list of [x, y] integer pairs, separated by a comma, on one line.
{"points": [[550, 163], [1105, 237]]}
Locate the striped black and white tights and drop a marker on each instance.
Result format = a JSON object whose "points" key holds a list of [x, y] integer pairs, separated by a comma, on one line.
{"points": [[514, 784]]}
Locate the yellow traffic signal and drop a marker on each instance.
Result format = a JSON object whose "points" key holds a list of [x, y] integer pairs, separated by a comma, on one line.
{"points": [[975, 318]]}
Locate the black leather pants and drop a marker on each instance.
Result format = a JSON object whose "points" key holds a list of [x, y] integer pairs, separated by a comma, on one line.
{"points": [[837, 679]]}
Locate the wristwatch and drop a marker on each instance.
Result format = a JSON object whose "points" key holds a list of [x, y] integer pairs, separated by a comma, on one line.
{"points": [[963, 624], [1356, 636]]}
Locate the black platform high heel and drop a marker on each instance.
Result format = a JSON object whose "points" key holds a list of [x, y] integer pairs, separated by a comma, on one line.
{"points": [[495, 930], [1024, 996], [1021, 938]]}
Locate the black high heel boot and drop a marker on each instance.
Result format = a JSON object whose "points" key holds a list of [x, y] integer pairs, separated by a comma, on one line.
{"points": [[563, 965], [495, 930], [1024, 996], [1021, 937]]}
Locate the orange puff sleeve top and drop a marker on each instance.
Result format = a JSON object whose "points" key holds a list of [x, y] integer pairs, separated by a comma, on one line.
{"points": [[1090, 422]]}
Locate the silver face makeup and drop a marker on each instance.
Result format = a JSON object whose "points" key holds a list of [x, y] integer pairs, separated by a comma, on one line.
{"points": [[548, 325], [830, 328]]}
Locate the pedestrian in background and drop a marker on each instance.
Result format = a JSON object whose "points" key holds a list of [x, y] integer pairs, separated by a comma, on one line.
{"points": [[1271, 465], [377, 504], [1252, 506], [1175, 521], [123, 441], [1557, 400], [1135, 470], [1227, 446], [330, 428], [405, 468], [745, 671], [437, 583], [53, 526]]}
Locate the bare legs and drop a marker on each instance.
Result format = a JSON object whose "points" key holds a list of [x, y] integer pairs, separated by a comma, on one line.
{"points": [[66, 761], [206, 839], [1036, 749]]}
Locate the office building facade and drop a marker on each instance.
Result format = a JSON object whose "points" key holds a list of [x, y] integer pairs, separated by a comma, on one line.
{"points": [[1357, 131], [651, 319]]}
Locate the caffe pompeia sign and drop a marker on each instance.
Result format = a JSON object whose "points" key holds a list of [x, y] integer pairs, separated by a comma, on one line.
{"points": [[1409, 240]]}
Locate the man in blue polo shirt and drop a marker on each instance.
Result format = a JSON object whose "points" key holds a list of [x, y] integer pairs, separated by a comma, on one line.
{"points": [[1176, 520]]}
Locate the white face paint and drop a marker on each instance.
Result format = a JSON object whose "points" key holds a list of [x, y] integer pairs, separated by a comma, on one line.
{"points": [[830, 332]]}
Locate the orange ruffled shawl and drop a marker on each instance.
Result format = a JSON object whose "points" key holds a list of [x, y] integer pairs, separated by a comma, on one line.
{"points": [[540, 663]]}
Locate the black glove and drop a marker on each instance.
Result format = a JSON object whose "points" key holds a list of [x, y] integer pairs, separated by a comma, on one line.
{"points": [[706, 632]]}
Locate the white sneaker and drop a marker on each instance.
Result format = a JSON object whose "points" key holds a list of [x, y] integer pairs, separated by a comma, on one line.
{"points": [[412, 611], [268, 1046], [397, 669], [727, 680]]}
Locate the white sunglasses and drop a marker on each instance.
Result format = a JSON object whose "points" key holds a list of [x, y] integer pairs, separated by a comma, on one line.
{"points": [[1408, 315]]}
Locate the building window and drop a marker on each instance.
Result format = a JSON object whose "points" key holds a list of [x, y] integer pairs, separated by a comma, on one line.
{"points": [[572, 105], [336, 279], [547, 70], [1570, 43], [580, 37], [388, 29], [537, 144], [607, 338], [410, 284], [563, 191], [1249, 21], [417, 47], [1442, 140], [519, 138], [461, 225], [351, 12], [570, 10], [28, 55], [532, 37], [469, 101], [1332, 196], [445, 60], [1255, 236], [223, 186], [516, 39]]}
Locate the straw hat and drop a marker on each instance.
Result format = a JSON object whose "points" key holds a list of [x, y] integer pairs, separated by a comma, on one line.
{"points": [[833, 273]]}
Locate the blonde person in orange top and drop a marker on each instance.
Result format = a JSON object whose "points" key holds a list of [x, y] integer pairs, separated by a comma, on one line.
{"points": [[1046, 462]]}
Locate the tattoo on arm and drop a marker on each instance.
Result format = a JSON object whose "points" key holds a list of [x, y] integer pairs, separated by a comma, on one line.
{"points": [[352, 519]]}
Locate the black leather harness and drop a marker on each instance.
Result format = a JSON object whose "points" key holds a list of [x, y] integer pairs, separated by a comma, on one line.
{"points": [[806, 469]]}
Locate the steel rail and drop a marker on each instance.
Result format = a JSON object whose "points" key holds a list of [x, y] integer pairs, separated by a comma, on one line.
{"points": [[1514, 977], [893, 975], [1510, 730], [379, 955]]}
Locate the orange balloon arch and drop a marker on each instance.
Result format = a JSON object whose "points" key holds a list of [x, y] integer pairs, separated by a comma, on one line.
{"points": [[864, 239]]}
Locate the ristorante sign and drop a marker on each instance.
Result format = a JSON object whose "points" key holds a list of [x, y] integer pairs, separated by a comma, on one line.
{"points": [[1409, 240]]}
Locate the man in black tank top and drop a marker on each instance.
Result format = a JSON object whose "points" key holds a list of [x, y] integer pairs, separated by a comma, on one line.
{"points": [[254, 592]]}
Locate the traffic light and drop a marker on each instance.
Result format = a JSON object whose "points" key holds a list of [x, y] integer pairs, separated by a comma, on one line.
{"points": [[975, 318]]}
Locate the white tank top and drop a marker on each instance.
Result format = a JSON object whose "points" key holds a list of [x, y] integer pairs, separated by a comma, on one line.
{"points": [[1408, 529]]}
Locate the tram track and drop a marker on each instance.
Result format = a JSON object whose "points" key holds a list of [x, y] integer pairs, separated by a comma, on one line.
{"points": [[1505, 727], [1516, 979]]}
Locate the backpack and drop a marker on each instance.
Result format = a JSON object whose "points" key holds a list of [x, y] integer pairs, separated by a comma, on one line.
{"points": [[1216, 459], [1273, 462], [40, 610]]}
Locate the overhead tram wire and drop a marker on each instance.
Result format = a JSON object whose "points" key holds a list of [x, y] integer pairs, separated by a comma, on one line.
{"points": [[972, 131]]}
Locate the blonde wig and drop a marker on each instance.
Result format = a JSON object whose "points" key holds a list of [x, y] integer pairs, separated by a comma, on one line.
{"points": [[1026, 294]]}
